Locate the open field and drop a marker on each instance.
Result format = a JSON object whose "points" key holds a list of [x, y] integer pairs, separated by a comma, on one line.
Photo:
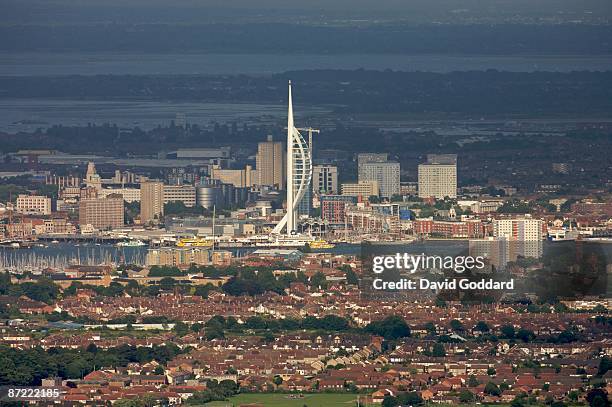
{"points": [[284, 400]]}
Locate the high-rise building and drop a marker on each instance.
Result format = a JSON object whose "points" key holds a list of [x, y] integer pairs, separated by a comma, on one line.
{"points": [[180, 193], [497, 251], [180, 120], [363, 158], [386, 174], [438, 176], [33, 204], [529, 234], [102, 213], [299, 173], [325, 179], [151, 200], [270, 163]]}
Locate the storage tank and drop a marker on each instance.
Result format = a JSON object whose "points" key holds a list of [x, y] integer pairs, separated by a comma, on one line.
{"points": [[208, 196]]}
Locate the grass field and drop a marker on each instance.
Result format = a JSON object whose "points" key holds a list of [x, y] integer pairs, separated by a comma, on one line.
{"points": [[283, 400]]}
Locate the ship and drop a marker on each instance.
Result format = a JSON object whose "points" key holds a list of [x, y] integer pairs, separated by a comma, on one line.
{"points": [[194, 242], [281, 241], [131, 243], [321, 244]]}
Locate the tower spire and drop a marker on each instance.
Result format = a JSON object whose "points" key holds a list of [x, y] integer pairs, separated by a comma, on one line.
{"points": [[299, 172], [290, 177]]}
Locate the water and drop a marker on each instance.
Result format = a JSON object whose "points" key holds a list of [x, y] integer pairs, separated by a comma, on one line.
{"points": [[41, 64], [62, 254], [93, 254], [27, 115]]}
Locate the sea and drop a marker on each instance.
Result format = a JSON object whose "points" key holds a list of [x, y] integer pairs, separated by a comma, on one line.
{"points": [[28, 115], [44, 64]]}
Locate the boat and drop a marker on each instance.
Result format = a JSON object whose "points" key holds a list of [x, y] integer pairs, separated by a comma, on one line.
{"points": [[194, 242], [282, 241], [131, 243], [321, 244]]}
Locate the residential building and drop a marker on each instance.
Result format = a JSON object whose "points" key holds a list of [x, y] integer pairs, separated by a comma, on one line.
{"points": [[364, 189], [102, 213], [238, 178], [527, 231], [151, 200], [472, 228], [497, 251], [438, 176], [270, 163], [325, 179], [33, 205], [333, 207], [180, 193], [386, 174], [363, 158]]}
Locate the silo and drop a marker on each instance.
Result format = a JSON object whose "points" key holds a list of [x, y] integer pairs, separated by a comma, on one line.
{"points": [[208, 196]]}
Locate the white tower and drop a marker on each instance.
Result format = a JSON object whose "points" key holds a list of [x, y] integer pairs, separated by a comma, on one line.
{"points": [[299, 172]]}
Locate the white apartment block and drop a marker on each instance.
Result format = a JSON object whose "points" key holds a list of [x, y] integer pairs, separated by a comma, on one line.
{"points": [[363, 158], [528, 232], [34, 205], [386, 174], [438, 181]]}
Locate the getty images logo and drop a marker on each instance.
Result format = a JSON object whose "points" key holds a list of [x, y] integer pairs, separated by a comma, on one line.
{"points": [[413, 263]]}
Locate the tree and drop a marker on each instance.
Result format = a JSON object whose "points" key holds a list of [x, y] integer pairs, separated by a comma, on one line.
{"points": [[491, 371], [482, 326], [456, 325], [204, 290], [318, 280], [351, 277], [214, 333], [392, 327], [605, 364], [492, 389], [438, 350], [180, 328], [411, 398], [525, 335], [277, 380], [597, 398], [507, 331], [430, 328], [466, 396], [473, 381], [390, 401]]}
